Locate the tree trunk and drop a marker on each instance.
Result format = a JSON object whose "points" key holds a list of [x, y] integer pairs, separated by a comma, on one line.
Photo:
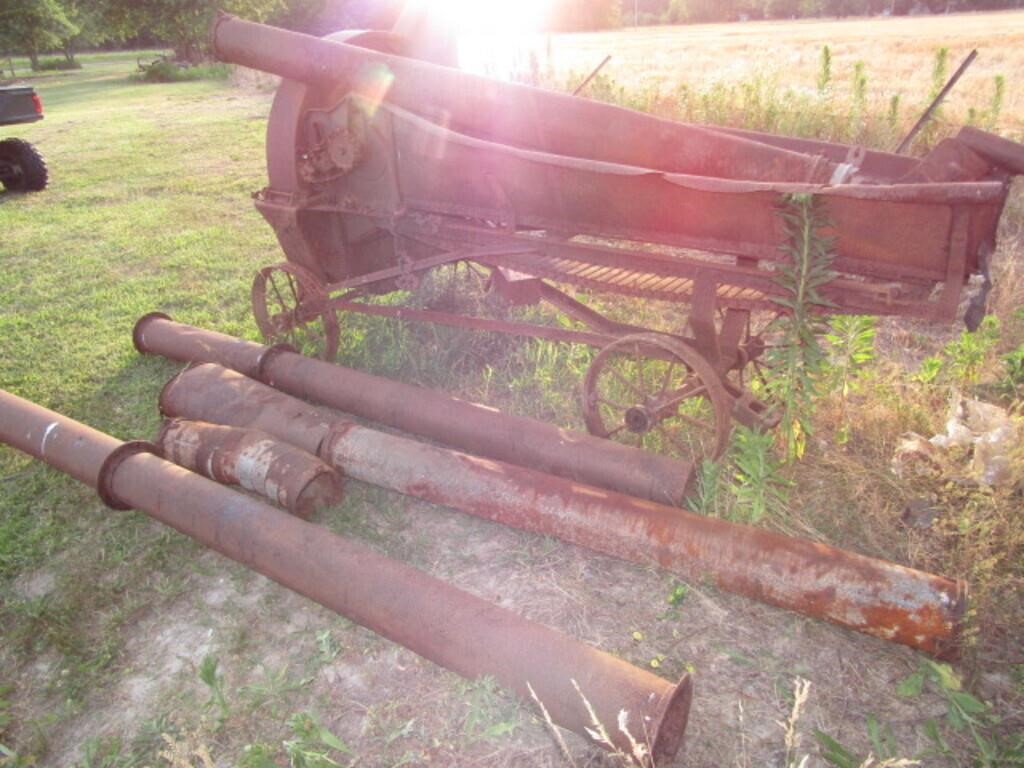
{"points": [[33, 59]]}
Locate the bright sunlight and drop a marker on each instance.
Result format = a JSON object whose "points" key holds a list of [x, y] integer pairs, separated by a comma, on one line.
{"points": [[494, 36]]}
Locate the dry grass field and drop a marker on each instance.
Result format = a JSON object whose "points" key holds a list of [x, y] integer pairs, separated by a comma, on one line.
{"points": [[126, 645], [897, 54]]}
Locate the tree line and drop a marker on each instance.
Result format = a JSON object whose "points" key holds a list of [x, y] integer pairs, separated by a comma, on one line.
{"points": [[33, 28], [695, 11]]}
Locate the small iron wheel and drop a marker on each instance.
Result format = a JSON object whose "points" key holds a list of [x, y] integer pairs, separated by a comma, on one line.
{"points": [[655, 392], [289, 304]]}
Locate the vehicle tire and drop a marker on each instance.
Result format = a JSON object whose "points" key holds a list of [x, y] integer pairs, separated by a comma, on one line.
{"points": [[28, 169]]}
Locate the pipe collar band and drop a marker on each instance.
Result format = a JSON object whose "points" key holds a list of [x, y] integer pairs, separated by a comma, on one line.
{"points": [[104, 483], [269, 354]]}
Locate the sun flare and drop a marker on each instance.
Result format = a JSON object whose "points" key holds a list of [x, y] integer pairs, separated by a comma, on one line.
{"points": [[494, 36]]}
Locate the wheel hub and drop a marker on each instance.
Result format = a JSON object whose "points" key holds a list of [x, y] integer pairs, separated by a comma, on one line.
{"points": [[637, 419]]}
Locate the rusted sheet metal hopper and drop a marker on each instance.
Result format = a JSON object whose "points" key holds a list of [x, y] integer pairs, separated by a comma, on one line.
{"points": [[382, 166]]}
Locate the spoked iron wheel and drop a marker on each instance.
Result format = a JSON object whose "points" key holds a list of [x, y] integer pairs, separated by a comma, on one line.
{"points": [[289, 305], [655, 392]]}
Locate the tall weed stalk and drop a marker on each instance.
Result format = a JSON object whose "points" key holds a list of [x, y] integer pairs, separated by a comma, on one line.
{"points": [[797, 361]]}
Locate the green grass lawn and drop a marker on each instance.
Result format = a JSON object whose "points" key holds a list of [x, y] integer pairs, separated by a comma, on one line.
{"points": [[148, 208]]}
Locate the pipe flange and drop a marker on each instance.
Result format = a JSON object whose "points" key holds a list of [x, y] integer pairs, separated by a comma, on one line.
{"points": [[336, 430], [104, 481], [267, 356], [140, 324]]}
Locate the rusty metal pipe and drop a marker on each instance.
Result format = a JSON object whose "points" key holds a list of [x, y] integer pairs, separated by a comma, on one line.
{"points": [[446, 625], [467, 426], [862, 593], [511, 113], [286, 475]]}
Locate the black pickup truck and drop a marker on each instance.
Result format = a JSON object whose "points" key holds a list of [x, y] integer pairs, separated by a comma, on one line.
{"points": [[22, 168]]}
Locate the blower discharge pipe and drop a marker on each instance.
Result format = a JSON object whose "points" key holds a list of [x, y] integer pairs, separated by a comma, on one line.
{"points": [[286, 475], [467, 426], [879, 598], [455, 629], [511, 113]]}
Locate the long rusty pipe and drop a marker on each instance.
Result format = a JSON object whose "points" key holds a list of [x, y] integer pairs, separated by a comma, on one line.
{"points": [[873, 596], [512, 113], [446, 625], [281, 472], [467, 426]]}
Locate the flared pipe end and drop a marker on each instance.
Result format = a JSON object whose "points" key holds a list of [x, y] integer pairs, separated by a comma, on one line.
{"points": [[164, 398], [219, 19], [670, 727], [139, 332], [325, 490]]}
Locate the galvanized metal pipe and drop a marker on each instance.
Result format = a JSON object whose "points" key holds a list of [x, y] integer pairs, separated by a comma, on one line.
{"points": [[512, 113], [467, 426], [862, 593], [446, 625], [286, 475]]}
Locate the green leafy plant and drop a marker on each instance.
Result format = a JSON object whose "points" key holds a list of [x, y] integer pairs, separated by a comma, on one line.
{"points": [[940, 73], [883, 743], [962, 359], [964, 713], [758, 485], [257, 756], [824, 70], [892, 116], [1013, 366], [835, 753], [995, 107], [678, 594], [705, 497], [213, 680], [851, 346], [929, 371], [988, 117], [797, 361], [164, 70], [312, 744], [968, 352], [326, 648], [858, 97], [57, 64], [5, 706], [273, 687], [488, 715]]}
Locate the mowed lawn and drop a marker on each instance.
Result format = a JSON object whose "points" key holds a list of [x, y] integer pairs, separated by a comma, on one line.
{"points": [[107, 617]]}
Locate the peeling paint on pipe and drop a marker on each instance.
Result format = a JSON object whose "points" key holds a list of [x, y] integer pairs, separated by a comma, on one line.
{"points": [[873, 596], [288, 476], [469, 427], [452, 628]]}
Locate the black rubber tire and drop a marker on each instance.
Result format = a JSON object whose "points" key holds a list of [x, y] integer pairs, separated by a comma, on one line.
{"points": [[31, 174]]}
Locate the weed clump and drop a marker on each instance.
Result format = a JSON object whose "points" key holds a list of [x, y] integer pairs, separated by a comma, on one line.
{"points": [[166, 70], [57, 64]]}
